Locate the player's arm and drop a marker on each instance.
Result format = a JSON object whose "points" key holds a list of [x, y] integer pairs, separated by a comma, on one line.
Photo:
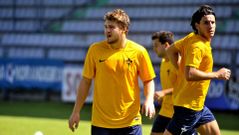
{"points": [[173, 55], [148, 106], [158, 95], [193, 74], [82, 93]]}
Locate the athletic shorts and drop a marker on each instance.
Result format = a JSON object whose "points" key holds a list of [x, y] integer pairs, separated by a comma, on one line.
{"points": [[185, 121], [133, 130], [160, 124]]}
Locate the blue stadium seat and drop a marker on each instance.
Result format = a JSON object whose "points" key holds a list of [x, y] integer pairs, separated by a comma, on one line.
{"points": [[67, 54], [25, 53], [37, 27]]}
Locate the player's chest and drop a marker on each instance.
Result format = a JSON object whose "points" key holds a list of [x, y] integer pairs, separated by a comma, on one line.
{"points": [[117, 61]]}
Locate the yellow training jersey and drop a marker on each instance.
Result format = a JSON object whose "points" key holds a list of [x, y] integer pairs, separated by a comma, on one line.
{"points": [[168, 78], [116, 100], [196, 52]]}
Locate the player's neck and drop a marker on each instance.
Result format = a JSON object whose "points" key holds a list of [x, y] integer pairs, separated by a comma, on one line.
{"points": [[205, 38], [120, 44]]}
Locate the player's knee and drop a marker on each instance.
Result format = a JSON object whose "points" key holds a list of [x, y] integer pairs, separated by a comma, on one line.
{"points": [[166, 132], [210, 128], [215, 132]]}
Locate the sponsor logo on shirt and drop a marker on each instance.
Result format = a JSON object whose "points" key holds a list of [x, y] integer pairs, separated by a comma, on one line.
{"points": [[129, 61], [102, 60]]}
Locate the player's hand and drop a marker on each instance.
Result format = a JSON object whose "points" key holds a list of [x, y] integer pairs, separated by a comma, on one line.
{"points": [[224, 74], [148, 109], [73, 121], [158, 95]]}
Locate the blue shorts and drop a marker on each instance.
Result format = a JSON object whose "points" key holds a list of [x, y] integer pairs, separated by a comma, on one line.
{"points": [[185, 121], [133, 130], [160, 124]]}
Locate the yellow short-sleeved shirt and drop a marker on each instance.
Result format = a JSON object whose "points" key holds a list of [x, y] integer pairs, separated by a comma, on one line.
{"points": [[168, 78], [116, 100], [196, 52]]}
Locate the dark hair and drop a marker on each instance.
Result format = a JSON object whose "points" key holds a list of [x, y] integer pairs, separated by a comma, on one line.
{"points": [[197, 16], [163, 37]]}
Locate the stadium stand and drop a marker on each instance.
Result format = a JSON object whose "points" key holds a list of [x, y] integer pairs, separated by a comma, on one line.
{"points": [[64, 29]]}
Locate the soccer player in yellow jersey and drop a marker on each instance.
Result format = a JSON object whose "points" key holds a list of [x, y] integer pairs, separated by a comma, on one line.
{"points": [[168, 77], [195, 70], [115, 64]]}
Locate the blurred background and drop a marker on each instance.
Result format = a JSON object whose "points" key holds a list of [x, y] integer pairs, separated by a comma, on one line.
{"points": [[43, 44]]}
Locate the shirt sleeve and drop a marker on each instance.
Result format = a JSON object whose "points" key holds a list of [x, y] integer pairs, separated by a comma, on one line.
{"points": [[179, 44], [194, 55], [89, 64], [146, 70]]}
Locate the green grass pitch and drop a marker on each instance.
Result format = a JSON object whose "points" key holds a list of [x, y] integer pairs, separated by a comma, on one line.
{"points": [[51, 118]]}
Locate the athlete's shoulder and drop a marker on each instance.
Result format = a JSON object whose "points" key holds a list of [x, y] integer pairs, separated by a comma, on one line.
{"points": [[192, 40], [99, 44], [195, 38], [134, 45], [182, 42], [191, 36]]}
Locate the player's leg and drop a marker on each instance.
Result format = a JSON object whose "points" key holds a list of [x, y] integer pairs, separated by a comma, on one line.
{"points": [[210, 128], [183, 122], [159, 125], [166, 132], [208, 125]]}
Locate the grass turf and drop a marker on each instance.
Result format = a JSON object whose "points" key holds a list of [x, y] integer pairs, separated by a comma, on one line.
{"points": [[51, 118]]}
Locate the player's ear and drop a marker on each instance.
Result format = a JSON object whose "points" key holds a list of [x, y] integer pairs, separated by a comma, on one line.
{"points": [[124, 29], [167, 44], [196, 26]]}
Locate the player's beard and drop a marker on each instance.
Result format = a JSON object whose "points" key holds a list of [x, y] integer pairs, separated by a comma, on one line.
{"points": [[112, 40]]}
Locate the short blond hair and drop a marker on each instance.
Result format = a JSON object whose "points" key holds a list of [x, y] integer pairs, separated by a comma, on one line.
{"points": [[119, 16]]}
